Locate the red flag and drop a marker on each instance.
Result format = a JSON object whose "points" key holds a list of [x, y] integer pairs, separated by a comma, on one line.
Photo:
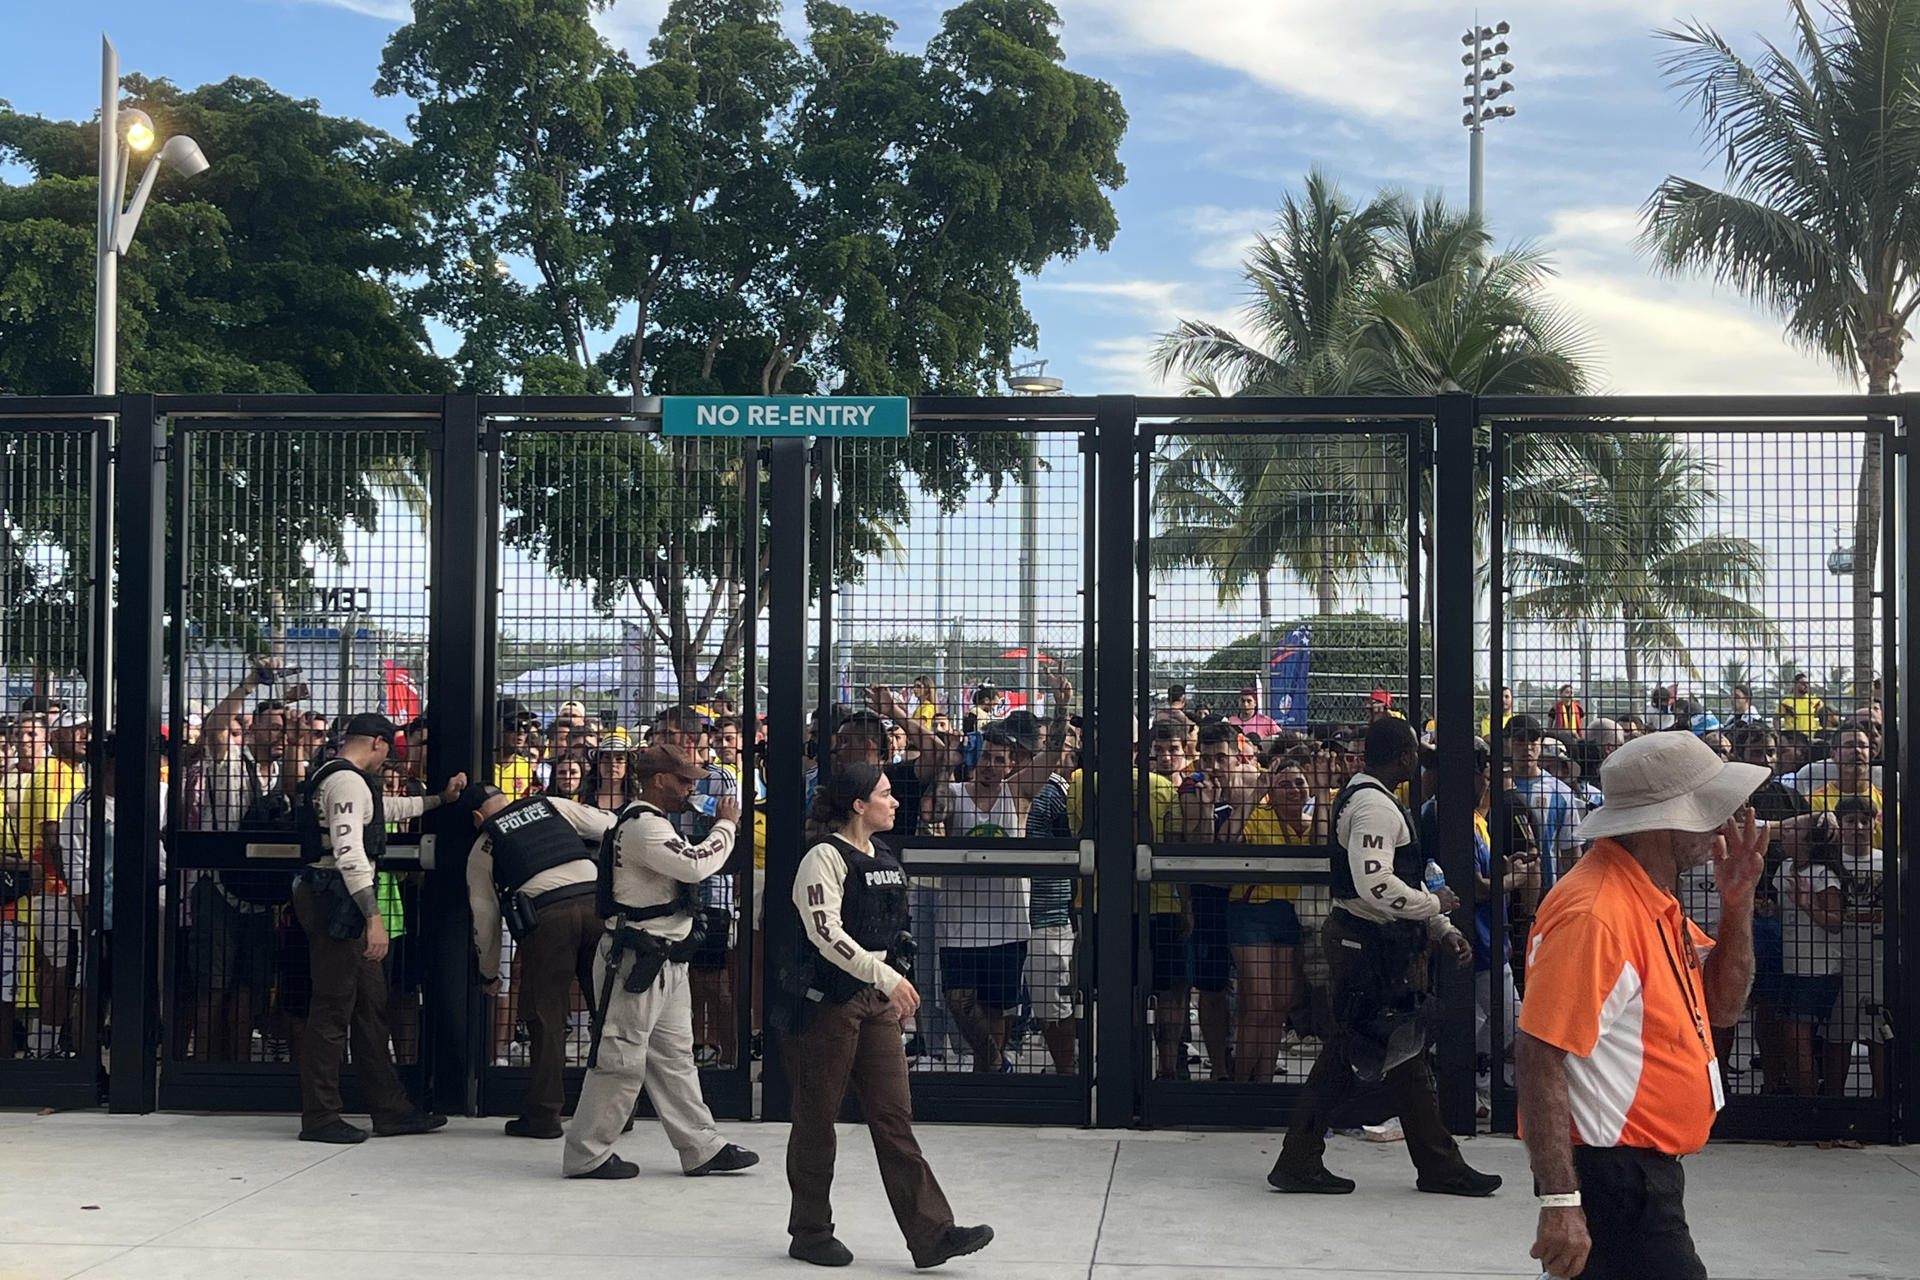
{"points": [[403, 695]]}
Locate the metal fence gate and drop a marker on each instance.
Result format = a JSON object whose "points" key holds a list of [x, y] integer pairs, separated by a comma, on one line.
{"points": [[1724, 553], [514, 575], [54, 575]]}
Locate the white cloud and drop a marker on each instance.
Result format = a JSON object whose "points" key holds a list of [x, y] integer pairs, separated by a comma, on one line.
{"points": [[1225, 236], [1657, 334], [1395, 62], [390, 10]]}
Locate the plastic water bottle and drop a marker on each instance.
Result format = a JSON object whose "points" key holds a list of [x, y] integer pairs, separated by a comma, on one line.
{"points": [[706, 802], [1436, 878]]}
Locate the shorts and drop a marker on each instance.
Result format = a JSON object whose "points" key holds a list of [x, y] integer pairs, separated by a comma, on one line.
{"points": [[1171, 968], [13, 966], [53, 923], [1859, 1014], [1263, 924], [229, 949], [713, 951], [1049, 973], [1635, 1207], [1212, 959], [992, 973], [1809, 1000]]}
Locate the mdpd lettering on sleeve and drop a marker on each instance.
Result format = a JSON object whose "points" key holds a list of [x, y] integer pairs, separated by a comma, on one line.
{"points": [[783, 416]]}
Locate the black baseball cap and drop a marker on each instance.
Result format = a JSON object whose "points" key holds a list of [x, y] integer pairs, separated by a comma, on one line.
{"points": [[370, 724], [1525, 727]]}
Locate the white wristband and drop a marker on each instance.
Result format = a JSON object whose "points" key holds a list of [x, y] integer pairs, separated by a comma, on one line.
{"points": [[1566, 1200]]}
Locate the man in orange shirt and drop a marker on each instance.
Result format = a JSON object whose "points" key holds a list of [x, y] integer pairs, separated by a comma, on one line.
{"points": [[1615, 1056]]}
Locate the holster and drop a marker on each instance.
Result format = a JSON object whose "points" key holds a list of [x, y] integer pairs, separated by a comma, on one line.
{"points": [[1385, 1017], [520, 914], [345, 922]]}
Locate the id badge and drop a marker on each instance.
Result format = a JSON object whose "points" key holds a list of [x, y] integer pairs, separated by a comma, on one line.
{"points": [[1713, 1082]]}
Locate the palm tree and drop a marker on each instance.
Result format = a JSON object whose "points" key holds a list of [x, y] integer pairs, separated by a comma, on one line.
{"points": [[1385, 298], [1626, 549], [1821, 218]]}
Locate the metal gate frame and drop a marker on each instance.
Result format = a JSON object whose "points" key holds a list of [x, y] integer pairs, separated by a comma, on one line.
{"points": [[78, 1081], [1759, 1117], [1195, 1102], [128, 645]]}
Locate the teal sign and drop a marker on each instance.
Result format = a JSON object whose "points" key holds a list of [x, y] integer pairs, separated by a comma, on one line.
{"points": [[783, 415]]}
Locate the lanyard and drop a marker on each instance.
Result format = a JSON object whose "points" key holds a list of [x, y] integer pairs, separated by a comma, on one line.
{"points": [[1686, 988]]}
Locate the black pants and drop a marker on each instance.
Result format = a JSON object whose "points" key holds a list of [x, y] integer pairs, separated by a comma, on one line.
{"points": [[349, 999], [1633, 1202], [1331, 1084], [557, 954], [856, 1043]]}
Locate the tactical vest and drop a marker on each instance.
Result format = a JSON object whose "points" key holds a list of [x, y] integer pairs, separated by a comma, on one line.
{"points": [[686, 900], [1408, 863], [873, 911], [313, 828], [530, 836]]}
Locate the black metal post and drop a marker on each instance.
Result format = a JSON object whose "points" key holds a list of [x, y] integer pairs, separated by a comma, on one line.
{"points": [[1117, 1039], [1455, 540], [139, 530], [1506, 1103], [787, 685], [826, 456], [750, 959], [1902, 746], [457, 699]]}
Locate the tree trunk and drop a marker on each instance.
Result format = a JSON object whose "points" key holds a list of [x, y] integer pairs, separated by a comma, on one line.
{"points": [[1266, 625], [1866, 537], [1324, 584]]}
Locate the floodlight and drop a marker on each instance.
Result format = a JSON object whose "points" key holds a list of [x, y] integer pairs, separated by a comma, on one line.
{"points": [[183, 155]]}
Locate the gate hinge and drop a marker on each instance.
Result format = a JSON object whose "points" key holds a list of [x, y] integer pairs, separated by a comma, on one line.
{"points": [[1897, 446], [1482, 457], [163, 453]]}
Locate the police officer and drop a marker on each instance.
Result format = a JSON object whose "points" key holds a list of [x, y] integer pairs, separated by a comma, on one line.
{"points": [[643, 1034], [852, 992], [1378, 940], [534, 867], [342, 820]]}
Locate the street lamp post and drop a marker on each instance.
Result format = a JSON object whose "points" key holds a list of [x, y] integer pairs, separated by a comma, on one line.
{"points": [[1031, 380], [1486, 62], [121, 134]]}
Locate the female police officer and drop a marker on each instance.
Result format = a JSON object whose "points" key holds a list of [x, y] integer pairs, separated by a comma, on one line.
{"points": [[852, 896]]}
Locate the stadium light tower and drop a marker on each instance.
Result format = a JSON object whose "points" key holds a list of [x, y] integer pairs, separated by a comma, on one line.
{"points": [[123, 132], [1486, 62]]}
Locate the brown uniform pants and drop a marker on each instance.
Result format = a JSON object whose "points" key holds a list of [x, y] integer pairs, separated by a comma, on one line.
{"points": [[550, 959], [1435, 1154], [857, 1042], [349, 990]]}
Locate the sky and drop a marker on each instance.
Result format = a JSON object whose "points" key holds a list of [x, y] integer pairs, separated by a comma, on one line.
{"points": [[1231, 103]]}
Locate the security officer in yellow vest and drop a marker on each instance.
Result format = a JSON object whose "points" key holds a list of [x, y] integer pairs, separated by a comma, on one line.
{"points": [[534, 867], [342, 820], [643, 1033]]}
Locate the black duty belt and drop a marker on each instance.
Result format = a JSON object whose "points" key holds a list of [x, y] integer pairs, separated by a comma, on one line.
{"points": [[566, 892]]}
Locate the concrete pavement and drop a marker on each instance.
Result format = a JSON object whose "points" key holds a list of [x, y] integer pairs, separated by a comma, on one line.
{"points": [[224, 1197]]}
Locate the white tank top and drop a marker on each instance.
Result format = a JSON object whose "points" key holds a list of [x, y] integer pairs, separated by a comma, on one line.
{"points": [[983, 911]]}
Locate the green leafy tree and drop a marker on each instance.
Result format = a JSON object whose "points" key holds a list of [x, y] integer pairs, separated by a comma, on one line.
{"points": [[1626, 549], [273, 271], [738, 214], [1820, 218]]}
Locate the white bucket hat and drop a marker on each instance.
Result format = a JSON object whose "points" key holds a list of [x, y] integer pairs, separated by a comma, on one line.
{"points": [[1669, 782]]}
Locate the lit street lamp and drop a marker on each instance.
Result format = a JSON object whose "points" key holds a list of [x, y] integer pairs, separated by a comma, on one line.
{"points": [[1031, 380], [121, 134]]}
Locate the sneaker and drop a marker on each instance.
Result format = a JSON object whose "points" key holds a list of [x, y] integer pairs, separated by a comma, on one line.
{"points": [[706, 1055], [729, 1159], [821, 1253], [612, 1168], [524, 1128], [957, 1242], [338, 1132], [1462, 1182], [418, 1122], [1317, 1181]]}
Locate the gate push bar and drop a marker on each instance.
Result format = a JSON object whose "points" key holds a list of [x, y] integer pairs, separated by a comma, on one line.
{"points": [[1079, 861]]}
